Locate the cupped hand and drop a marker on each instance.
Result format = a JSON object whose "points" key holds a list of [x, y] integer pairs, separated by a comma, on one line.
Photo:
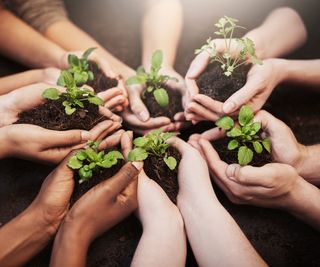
{"points": [[273, 185]]}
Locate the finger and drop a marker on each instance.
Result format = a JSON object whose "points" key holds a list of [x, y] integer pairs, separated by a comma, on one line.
{"points": [[179, 117], [63, 138], [194, 117], [209, 103], [117, 109], [129, 196], [194, 137], [100, 128], [137, 106], [201, 111], [196, 145], [192, 89], [269, 124], [110, 93], [122, 179], [115, 126], [152, 123], [108, 114], [115, 101], [213, 134], [111, 141], [180, 145], [126, 143], [103, 65], [198, 65]]}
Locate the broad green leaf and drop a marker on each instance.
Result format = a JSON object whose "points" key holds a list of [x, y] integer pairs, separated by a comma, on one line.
{"points": [[96, 100], [140, 141], [135, 80], [161, 97], [257, 147], [73, 60], [141, 70], [51, 93], [234, 132], [107, 163], [156, 60], [74, 163], [92, 165], [90, 76], [67, 78], [167, 136], [245, 115], [255, 128], [233, 144], [225, 123], [69, 110], [170, 162], [150, 89], [137, 154], [114, 154], [85, 174], [60, 81], [92, 154], [245, 155], [267, 144], [81, 155], [87, 53], [80, 78]]}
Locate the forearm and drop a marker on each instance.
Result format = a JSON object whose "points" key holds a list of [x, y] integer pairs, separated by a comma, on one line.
{"points": [[305, 203], [22, 238], [282, 32], [71, 38], [22, 43], [70, 248], [309, 165], [215, 238], [12, 82], [161, 29], [162, 244]]}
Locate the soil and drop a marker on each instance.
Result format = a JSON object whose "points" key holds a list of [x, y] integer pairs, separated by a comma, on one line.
{"points": [[231, 156], [51, 115], [212, 82], [156, 169], [101, 82], [175, 104]]}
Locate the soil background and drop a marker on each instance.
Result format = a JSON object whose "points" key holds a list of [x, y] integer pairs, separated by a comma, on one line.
{"points": [[279, 238]]}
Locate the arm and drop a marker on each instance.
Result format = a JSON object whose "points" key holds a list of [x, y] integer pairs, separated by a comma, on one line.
{"points": [[215, 238], [284, 28], [18, 41], [310, 164]]}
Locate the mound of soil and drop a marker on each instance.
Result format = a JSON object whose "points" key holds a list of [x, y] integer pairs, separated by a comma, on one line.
{"points": [[231, 156], [175, 104], [212, 82], [101, 82], [51, 115]]}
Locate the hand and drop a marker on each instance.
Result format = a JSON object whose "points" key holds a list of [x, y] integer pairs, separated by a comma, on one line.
{"points": [[272, 185]]}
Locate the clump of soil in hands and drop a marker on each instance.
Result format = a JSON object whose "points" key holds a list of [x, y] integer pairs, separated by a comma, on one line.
{"points": [[175, 103], [51, 115], [214, 83], [100, 82], [156, 169], [231, 156]]}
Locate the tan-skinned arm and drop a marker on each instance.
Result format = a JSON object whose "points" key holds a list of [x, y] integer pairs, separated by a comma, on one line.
{"points": [[19, 41]]}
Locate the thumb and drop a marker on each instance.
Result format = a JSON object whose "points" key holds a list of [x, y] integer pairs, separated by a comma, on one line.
{"points": [[179, 144], [137, 106], [64, 138], [198, 65]]}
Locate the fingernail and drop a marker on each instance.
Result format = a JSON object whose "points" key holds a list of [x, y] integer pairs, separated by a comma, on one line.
{"points": [[231, 170], [228, 107], [144, 116], [85, 136]]}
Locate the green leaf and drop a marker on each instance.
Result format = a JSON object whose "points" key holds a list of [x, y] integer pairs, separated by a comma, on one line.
{"points": [[114, 154], [245, 115], [80, 78], [85, 174], [257, 147], [137, 154], [156, 60], [81, 155], [69, 110], [255, 128], [245, 155], [135, 80], [150, 89], [267, 144], [87, 53], [90, 76], [60, 81], [161, 97], [167, 136], [140, 141], [51, 93], [74, 163], [233, 144], [225, 123], [141, 70], [96, 100], [73, 60], [234, 132], [170, 162]]}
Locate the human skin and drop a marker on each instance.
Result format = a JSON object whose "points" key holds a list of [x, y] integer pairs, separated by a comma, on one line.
{"points": [[260, 81], [216, 239]]}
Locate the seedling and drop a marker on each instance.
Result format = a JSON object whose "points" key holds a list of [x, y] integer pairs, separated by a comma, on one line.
{"points": [[153, 80], [244, 135], [246, 47], [91, 160], [75, 96], [154, 144], [79, 68]]}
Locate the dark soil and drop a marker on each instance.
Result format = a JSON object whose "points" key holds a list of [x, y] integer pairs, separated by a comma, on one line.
{"points": [[218, 86], [157, 170], [101, 82], [231, 156], [51, 115], [175, 104]]}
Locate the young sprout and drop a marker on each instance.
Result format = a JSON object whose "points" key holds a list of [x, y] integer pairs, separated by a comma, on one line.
{"points": [[91, 160], [79, 68], [74, 96], [154, 144], [244, 135], [153, 80], [246, 47]]}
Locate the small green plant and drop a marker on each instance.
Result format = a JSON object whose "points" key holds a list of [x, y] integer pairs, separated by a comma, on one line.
{"points": [[154, 144], [153, 80], [244, 134], [79, 68], [226, 27], [91, 160], [74, 96]]}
